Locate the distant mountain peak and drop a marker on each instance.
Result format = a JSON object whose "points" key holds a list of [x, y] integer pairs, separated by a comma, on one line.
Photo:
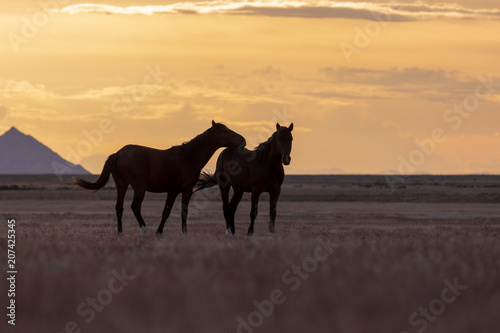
{"points": [[23, 154], [13, 131]]}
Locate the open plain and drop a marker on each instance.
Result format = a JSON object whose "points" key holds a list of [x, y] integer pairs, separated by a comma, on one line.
{"points": [[350, 254]]}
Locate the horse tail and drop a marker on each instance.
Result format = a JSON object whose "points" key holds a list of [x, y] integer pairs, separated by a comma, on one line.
{"points": [[206, 180], [103, 179]]}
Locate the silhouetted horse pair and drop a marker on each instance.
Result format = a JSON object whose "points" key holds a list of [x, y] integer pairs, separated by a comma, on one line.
{"points": [[177, 171]]}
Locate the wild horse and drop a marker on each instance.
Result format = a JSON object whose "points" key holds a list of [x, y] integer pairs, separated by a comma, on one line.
{"points": [[256, 171], [175, 170]]}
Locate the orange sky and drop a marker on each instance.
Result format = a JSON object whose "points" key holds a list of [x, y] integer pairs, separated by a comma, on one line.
{"points": [[365, 96]]}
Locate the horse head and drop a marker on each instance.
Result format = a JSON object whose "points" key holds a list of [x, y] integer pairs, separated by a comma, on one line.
{"points": [[284, 142], [224, 137]]}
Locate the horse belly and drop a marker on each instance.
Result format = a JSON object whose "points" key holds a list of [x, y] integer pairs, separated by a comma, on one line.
{"points": [[241, 183], [163, 189], [164, 183]]}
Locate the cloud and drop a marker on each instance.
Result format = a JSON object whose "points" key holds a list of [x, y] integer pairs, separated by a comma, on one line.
{"points": [[338, 93], [32, 101], [10, 88], [268, 71], [430, 84], [393, 76], [390, 11]]}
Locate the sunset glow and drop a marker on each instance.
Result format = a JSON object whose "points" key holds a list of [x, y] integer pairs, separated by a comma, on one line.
{"points": [[371, 86]]}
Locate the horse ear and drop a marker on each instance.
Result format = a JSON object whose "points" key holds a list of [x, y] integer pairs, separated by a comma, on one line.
{"points": [[213, 122], [278, 126], [290, 127]]}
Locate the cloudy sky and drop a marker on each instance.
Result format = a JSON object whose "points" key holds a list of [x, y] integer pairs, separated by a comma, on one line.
{"points": [[371, 86]]}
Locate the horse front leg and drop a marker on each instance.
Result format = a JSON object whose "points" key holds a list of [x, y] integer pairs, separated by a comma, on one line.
{"points": [[186, 197], [166, 211], [224, 193], [233, 206], [136, 208], [273, 202]]}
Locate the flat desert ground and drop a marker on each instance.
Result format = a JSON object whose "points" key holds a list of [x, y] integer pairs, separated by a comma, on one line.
{"points": [[350, 254]]}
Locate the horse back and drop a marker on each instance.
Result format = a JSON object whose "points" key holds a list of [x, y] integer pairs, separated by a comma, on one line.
{"points": [[153, 169]]}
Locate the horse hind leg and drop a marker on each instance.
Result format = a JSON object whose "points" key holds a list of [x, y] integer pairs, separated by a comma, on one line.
{"points": [[136, 208], [121, 189]]}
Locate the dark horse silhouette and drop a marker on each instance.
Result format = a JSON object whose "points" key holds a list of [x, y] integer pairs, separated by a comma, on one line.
{"points": [[256, 171], [175, 170]]}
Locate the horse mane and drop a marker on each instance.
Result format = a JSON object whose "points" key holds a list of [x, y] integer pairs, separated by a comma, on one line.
{"points": [[262, 150], [193, 145]]}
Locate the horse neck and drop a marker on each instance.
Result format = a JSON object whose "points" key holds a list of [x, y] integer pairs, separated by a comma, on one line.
{"points": [[274, 155], [200, 150], [270, 152]]}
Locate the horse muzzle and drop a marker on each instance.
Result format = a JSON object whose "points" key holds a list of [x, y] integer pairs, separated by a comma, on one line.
{"points": [[241, 144], [286, 159]]}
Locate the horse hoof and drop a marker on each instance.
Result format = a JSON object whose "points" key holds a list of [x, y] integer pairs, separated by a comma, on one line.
{"points": [[229, 232], [250, 233], [158, 233], [144, 230]]}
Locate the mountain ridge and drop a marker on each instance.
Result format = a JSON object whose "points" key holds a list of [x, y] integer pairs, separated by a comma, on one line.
{"points": [[23, 154]]}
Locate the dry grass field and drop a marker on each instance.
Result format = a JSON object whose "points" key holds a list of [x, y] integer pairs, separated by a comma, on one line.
{"points": [[349, 255]]}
